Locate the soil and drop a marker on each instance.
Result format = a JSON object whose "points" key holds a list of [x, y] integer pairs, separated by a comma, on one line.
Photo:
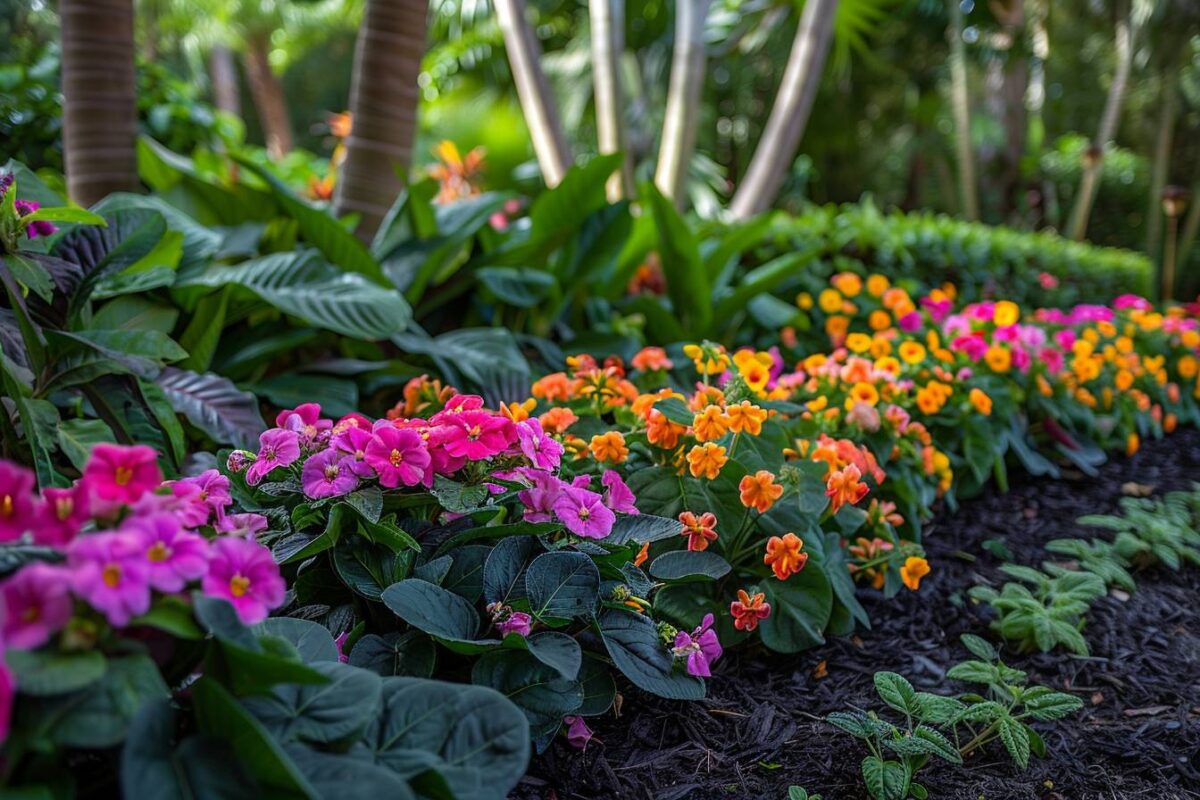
{"points": [[761, 728]]}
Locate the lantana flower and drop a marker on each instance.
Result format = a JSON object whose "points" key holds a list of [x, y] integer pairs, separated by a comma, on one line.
{"points": [[609, 447], [845, 487], [706, 460], [915, 568]]}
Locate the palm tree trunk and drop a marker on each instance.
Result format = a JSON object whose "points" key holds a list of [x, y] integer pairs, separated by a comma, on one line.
{"points": [[1168, 103], [383, 108], [99, 98], [1093, 165], [785, 127], [961, 102], [683, 100], [608, 41], [222, 71], [269, 100], [537, 101]]}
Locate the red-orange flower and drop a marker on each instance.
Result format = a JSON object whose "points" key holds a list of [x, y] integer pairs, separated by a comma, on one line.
{"points": [[649, 359], [747, 610], [760, 491], [700, 530], [642, 555], [845, 486], [784, 555], [558, 419]]}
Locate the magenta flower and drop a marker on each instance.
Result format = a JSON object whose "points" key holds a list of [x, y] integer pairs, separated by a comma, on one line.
{"points": [[474, 435], [539, 498], [173, 556], [910, 322], [246, 524], [118, 474], [19, 508], [8, 692], [328, 474], [38, 228], [457, 405], [36, 605], [110, 572], [276, 448], [543, 451], [306, 421], [578, 732], [340, 643], [64, 512], [518, 622], [1052, 358], [212, 492], [619, 496], [584, 513], [244, 573], [238, 461], [353, 441], [398, 456], [700, 648]]}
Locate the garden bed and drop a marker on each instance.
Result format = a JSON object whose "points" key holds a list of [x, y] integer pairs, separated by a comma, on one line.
{"points": [[762, 727]]}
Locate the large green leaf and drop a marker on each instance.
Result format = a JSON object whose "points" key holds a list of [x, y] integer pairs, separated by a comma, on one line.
{"points": [[538, 690], [304, 285], [130, 236], [331, 712], [432, 609], [688, 284], [562, 585], [800, 610], [633, 644], [409, 654]]}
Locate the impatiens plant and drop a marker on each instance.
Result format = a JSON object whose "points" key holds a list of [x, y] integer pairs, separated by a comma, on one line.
{"points": [[138, 653], [463, 537], [951, 728]]}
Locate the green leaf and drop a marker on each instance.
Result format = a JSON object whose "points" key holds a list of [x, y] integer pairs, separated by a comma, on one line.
{"points": [[214, 405], [854, 723], [538, 690], [130, 236], [30, 274], [980, 648], [410, 653], [432, 609], [204, 330], [974, 672], [688, 284], [1054, 705], [895, 691], [172, 615], [562, 585], [679, 564], [44, 673], [312, 641], [522, 287], [1015, 737], [77, 437], [69, 214], [938, 744], [335, 711], [458, 498], [556, 650], [800, 610], [633, 644], [642, 528], [470, 736], [504, 569], [599, 688], [886, 780]]}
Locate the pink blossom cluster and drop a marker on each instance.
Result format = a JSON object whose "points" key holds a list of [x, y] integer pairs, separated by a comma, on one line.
{"points": [[123, 535], [25, 208], [333, 459]]}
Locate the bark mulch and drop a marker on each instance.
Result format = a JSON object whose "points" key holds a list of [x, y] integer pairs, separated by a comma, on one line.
{"points": [[761, 728]]}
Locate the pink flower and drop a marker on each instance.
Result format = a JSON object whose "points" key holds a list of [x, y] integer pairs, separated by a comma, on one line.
{"points": [[864, 416], [1020, 358], [584, 513], [110, 572], [1065, 338], [456, 405], [619, 496], [328, 474], [1052, 358], [398, 456], [539, 498], [542, 451], [244, 573], [64, 512], [578, 732], [340, 643], [353, 441], [473, 435], [38, 228], [238, 461], [1047, 281], [973, 346], [173, 556], [246, 524], [276, 448], [899, 418], [518, 622], [1131, 301], [8, 691], [36, 605], [117, 474], [910, 322], [306, 421], [700, 648], [19, 509], [212, 493]]}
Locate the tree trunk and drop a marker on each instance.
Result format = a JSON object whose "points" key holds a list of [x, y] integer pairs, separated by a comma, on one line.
{"points": [[678, 139], [608, 41], [772, 158], [222, 71], [962, 114], [99, 98], [537, 101], [1008, 79], [1093, 165], [269, 100], [383, 107], [1168, 103]]}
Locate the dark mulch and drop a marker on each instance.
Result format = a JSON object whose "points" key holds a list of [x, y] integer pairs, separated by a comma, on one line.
{"points": [[761, 727]]}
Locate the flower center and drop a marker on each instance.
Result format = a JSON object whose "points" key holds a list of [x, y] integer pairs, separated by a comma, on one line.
{"points": [[7, 506], [158, 552], [584, 514], [331, 472], [63, 507], [31, 614], [396, 458], [239, 585], [268, 453], [122, 476], [111, 575], [474, 433]]}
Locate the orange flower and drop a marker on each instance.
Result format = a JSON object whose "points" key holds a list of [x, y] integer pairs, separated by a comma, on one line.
{"points": [[709, 424], [913, 570], [784, 555], [610, 447], [700, 530], [706, 460], [982, 403], [747, 611], [998, 358], [1132, 443], [760, 491], [642, 555], [661, 431], [518, 412], [558, 419], [845, 486], [555, 386], [745, 417], [650, 359]]}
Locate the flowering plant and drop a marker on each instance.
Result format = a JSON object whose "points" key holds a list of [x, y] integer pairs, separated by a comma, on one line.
{"points": [[134, 626], [448, 530]]}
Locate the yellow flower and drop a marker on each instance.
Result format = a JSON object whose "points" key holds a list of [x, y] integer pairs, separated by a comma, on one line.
{"points": [[913, 570], [982, 403], [709, 359], [847, 283], [609, 447], [998, 358], [877, 284], [1006, 313], [1123, 380], [745, 417], [519, 412], [804, 301], [1132, 444], [858, 342], [888, 364], [830, 301], [709, 424], [706, 460], [863, 392], [912, 352]]}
